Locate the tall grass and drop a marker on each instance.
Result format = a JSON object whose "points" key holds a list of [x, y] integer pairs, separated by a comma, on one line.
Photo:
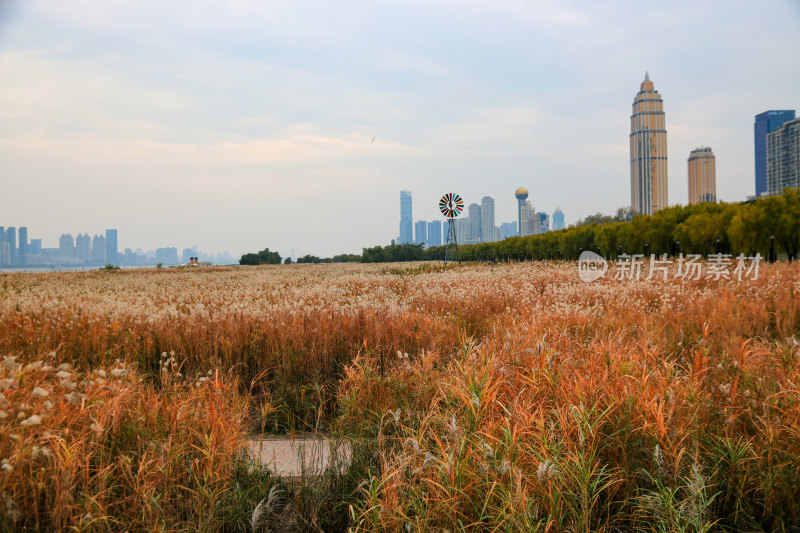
{"points": [[480, 397]]}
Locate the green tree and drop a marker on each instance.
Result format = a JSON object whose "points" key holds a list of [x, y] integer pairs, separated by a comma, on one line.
{"points": [[264, 257]]}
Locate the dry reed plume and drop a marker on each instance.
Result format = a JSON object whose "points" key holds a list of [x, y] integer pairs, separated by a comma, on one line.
{"points": [[493, 397]]}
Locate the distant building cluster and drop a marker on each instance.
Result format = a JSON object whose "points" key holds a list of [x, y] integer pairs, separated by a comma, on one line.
{"points": [[765, 127], [783, 157], [532, 222], [477, 224], [17, 250], [777, 158], [776, 145], [84, 250]]}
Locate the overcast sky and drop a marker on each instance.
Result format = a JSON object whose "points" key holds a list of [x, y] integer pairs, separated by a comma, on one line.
{"points": [[248, 124]]}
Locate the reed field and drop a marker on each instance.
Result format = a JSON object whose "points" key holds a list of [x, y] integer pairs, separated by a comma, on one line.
{"points": [[474, 397]]}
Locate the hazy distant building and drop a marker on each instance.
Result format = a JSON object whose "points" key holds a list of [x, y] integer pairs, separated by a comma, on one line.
{"points": [[435, 233], [66, 247], [11, 239], [5, 252], [99, 249], [22, 258], [648, 151], [420, 232], [35, 247], [186, 254], [543, 222], [406, 224], [462, 230], [487, 219], [83, 248], [167, 256], [475, 225], [558, 219], [508, 230], [766, 123], [702, 176], [111, 247], [783, 157]]}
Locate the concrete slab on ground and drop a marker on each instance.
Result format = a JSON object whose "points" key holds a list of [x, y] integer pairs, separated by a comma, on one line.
{"points": [[309, 454]]}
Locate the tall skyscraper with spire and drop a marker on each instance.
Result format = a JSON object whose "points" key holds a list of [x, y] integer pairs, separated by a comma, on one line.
{"points": [[558, 219], [648, 151]]}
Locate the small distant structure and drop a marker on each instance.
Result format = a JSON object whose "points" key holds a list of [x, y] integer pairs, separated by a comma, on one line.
{"points": [[194, 261], [451, 205]]}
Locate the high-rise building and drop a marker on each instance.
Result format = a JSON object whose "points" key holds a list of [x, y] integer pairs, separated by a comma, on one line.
{"points": [[648, 151], [783, 157], [66, 246], [406, 224], [167, 256], [487, 219], [462, 230], [508, 230], [765, 123], [23, 246], [83, 247], [35, 247], [558, 219], [111, 247], [11, 239], [521, 195], [420, 232], [527, 216], [475, 226], [543, 220], [434, 233], [5, 248], [702, 176], [99, 249], [187, 254]]}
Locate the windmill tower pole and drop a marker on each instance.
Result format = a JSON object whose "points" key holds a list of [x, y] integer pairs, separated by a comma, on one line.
{"points": [[451, 248], [451, 206]]}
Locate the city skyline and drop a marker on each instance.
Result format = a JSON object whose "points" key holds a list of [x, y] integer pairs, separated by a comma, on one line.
{"points": [[17, 250], [174, 125], [477, 223]]}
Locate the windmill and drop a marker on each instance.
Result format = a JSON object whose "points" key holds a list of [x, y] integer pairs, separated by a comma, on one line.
{"points": [[451, 205]]}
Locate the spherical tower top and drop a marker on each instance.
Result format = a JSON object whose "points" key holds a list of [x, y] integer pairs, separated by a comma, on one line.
{"points": [[521, 193]]}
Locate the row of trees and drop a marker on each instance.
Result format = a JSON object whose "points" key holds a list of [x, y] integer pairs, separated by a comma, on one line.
{"points": [[264, 257], [769, 226]]}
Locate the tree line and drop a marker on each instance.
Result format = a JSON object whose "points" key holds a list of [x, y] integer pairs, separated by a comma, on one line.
{"points": [[769, 226]]}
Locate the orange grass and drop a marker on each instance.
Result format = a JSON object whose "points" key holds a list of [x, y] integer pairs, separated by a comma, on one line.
{"points": [[497, 397], [103, 451]]}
